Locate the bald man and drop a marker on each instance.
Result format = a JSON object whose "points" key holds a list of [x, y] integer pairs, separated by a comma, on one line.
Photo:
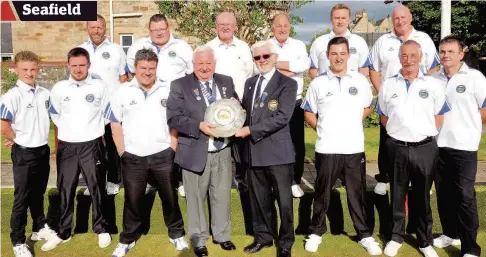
{"points": [[234, 59], [384, 63], [292, 62]]}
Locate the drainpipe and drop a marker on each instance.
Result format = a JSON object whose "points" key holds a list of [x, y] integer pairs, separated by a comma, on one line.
{"points": [[111, 22]]}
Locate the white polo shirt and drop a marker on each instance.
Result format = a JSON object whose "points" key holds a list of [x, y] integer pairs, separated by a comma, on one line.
{"points": [[77, 109], [27, 108], [175, 57], [108, 62], [234, 60], [384, 57], [295, 52], [411, 106], [143, 117], [466, 93], [340, 102], [357, 47]]}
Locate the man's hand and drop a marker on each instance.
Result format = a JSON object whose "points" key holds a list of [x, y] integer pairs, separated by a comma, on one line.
{"points": [[234, 99], [8, 143], [206, 128], [243, 132]]}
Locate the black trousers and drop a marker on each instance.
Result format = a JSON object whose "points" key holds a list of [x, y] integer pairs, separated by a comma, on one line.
{"points": [[156, 169], [296, 125], [384, 166], [113, 159], [415, 164], [266, 185], [352, 170], [87, 158], [456, 197], [241, 181], [30, 173]]}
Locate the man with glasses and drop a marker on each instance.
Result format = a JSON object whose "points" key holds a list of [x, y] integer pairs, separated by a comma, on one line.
{"points": [[269, 101], [175, 55]]}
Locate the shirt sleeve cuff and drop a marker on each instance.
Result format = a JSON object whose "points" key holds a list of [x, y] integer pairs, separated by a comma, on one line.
{"points": [[306, 107], [445, 108]]}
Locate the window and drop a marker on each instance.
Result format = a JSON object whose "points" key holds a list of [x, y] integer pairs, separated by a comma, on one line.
{"points": [[126, 40]]}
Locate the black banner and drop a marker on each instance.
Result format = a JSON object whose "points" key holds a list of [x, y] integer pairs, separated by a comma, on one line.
{"points": [[56, 10]]}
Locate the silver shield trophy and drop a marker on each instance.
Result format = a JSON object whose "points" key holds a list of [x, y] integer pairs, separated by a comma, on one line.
{"points": [[227, 115]]}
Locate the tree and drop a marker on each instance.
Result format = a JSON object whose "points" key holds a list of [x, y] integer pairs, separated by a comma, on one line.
{"points": [[468, 21], [316, 35], [197, 18]]}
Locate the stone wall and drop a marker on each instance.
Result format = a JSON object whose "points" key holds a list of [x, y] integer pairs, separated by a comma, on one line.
{"points": [[52, 40]]}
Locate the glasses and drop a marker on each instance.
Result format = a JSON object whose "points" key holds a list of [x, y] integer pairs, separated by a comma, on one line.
{"points": [[265, 56], [159, 30]]}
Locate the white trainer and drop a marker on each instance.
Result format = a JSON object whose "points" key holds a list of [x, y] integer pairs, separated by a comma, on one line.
{"points": [[122, 249], [469, 255], [371, 246], [181, 191], [297, 191], [380, 188], [180, 243], [22, 250], [104, 240], [112, 188], [43, 234], [312, 243], [52, 242], [86, 192], [428, 251], [391, 248], [445, 241]]}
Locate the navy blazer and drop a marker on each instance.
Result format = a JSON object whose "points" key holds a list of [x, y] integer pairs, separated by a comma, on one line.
{"points": [[269, 142], [185, 110]]}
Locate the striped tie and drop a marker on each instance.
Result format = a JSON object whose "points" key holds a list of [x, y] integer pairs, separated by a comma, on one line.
{"points": [[208, 93]]}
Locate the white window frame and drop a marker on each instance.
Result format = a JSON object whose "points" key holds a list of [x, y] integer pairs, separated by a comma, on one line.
{"points": [[121, 40]]}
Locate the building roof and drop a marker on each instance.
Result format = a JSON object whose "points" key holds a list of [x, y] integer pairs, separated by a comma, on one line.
{"points": [[6, 39]]}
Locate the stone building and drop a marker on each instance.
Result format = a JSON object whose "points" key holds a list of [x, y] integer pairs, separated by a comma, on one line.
{"points": [[362, 24], [52, 40]]}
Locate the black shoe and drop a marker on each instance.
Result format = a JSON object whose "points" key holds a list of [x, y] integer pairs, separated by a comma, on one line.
{"points": [[201, 251], [256, 247], [227, 246], [284, 253]]}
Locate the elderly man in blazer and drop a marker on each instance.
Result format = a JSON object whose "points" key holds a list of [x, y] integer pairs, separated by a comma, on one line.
{"points": [[269, 100], [205, 160]]}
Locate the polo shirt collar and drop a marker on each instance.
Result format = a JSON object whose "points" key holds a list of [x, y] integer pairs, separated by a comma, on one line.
{"points": [[233, 42], [463, 70], [105, 41], [27, 88], [347, 34], [88, 80], [331, 75], [287, 41], [134, 83], [393, 35], [420, 75], [170, 42]]}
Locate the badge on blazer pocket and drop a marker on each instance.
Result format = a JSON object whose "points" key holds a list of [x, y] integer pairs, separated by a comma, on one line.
{"points": [[272, 105]]}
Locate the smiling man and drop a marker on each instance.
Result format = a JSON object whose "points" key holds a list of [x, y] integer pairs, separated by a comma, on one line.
{"points": [[340, 19], [411, 107], [342, 99]]}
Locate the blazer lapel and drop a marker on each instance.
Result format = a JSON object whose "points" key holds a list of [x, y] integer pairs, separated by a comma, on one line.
{"points": [[223, 89], [272, 85], [197, 93], [248, 97]]}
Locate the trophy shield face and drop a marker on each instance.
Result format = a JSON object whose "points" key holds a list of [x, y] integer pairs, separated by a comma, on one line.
{"points": [[227, 115]]}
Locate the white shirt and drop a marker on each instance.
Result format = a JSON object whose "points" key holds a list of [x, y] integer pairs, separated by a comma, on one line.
{"points": [[27, 108], [411, 112], [266, 78], [175, 57], [234, 60], [77, 109], [466, 93], [143, 117], [294, 52], [384, 57], [211, 147], [108, 62], [339, 102], [357, 48]]}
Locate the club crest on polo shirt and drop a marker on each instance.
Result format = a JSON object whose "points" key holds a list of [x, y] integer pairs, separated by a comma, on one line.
{"points": [[172, 54], [90, 98], [461, 89], [163, 102], [424, 93], [352, 50], [353, 91], [106, 55]]}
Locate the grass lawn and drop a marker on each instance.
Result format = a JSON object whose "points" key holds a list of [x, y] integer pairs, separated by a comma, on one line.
{"points": [[372, 136], [156, 243]]}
